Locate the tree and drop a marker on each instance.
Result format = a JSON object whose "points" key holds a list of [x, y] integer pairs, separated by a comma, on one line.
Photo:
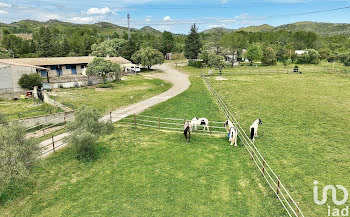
{"points": [[44, 42], [101, 67], [216, 61], [167, 42], [148, 57], [29, 81], [254, 53], [311, 57], [86, 129], [193, 44], [269, 57], [108, 48], [204, 55], [129, 48], [233, 41], [18, 154]]}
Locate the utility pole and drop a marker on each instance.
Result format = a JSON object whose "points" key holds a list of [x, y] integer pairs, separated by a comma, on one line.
{"points": [[129, 35]]}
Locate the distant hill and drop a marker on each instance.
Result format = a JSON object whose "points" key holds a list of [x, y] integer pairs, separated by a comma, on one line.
{"points": [[261, 28], [150, 30], [219, 30], [104, 28], [319, 28]]}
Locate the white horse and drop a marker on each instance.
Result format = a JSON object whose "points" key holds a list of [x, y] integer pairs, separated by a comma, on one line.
{"points": [[228, 125], [195, 122], [233, 136], [254, 129]]}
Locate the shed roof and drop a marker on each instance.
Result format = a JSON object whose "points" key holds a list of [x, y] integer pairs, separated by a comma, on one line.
{"points": [[20, 64], [49, 61]]}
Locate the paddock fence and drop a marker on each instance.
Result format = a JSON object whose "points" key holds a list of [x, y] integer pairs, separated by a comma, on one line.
{"points": [[273, 180], [257, 70], [170, 124]]}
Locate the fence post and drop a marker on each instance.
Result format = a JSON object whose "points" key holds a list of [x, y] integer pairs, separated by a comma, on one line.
{"points": [[64, 118], [110, 116], [135, 119], [158, 122], [298, 209], [210, 128], [53, 144], [43, 130], [263, 169], [278, 186], [19, 116]]}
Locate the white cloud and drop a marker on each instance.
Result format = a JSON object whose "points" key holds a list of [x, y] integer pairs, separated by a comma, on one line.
{"points": [[243, 16], [99, 11], [82, 20], [167, 19], [3, 12], [5, 5], [224, 1]]}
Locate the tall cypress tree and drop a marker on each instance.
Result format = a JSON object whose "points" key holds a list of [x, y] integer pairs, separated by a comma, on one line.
{"points": [[193, 44]]}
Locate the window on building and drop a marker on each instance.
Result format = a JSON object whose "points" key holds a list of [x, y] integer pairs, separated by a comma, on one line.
{"points": [[43, 73]]}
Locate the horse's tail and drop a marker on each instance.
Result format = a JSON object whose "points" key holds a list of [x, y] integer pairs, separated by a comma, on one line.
{"points": [[252, 133]]}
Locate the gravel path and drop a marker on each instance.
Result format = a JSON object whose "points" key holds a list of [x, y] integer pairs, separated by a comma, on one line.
{"points": [[180, 83]]}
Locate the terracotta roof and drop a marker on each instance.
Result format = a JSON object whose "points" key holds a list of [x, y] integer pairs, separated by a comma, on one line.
{"points": [[60, 60]]}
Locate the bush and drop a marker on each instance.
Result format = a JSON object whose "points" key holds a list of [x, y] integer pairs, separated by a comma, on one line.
{"points": [[18, 155], [87, 126], [345, 59], [29, 81], [107, 85], [312, 57], [195, 64], [84, 144], [269, 57]]}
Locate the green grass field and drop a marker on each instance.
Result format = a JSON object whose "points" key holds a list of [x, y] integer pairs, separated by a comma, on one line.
{"points": [[304, 135], [123, 93], [147, 172], [26, 107], [157, 173]]}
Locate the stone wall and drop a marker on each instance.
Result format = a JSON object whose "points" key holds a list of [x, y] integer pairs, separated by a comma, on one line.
{"points": [[48, 119]]}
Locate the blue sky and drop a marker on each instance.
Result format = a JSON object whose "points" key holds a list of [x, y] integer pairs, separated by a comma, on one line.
{"points": [[176, 16]]}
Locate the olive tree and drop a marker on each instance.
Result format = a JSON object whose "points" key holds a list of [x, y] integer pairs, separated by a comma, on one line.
{"points": [[86, 129], [17, 153], [108, 48], [148, 57], [104, 68], [269, 57]]}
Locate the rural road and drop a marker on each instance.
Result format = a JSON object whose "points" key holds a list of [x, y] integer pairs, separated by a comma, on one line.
{"points": [[180, 83]]}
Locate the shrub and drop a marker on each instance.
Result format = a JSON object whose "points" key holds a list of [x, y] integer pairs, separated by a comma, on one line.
{"points": [[86, 130], [107, 85], [84, 144], [18, 155], [195, 64], [312, 57], [345, 59], [269, 57], [29, 81]]}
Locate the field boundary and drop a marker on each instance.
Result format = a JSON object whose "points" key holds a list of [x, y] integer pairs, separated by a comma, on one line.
{"points": [[273, 180]]}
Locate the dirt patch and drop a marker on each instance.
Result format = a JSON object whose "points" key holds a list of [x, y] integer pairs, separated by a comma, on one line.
{"points": [[220, 79]]}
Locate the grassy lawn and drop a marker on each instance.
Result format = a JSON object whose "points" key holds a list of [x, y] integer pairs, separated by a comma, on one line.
{"points": [[305, 132], [146, 172], [26, 107], [123, 93]]}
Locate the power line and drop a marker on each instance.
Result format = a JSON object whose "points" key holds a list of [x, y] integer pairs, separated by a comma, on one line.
{"points": [[234, 20]]}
